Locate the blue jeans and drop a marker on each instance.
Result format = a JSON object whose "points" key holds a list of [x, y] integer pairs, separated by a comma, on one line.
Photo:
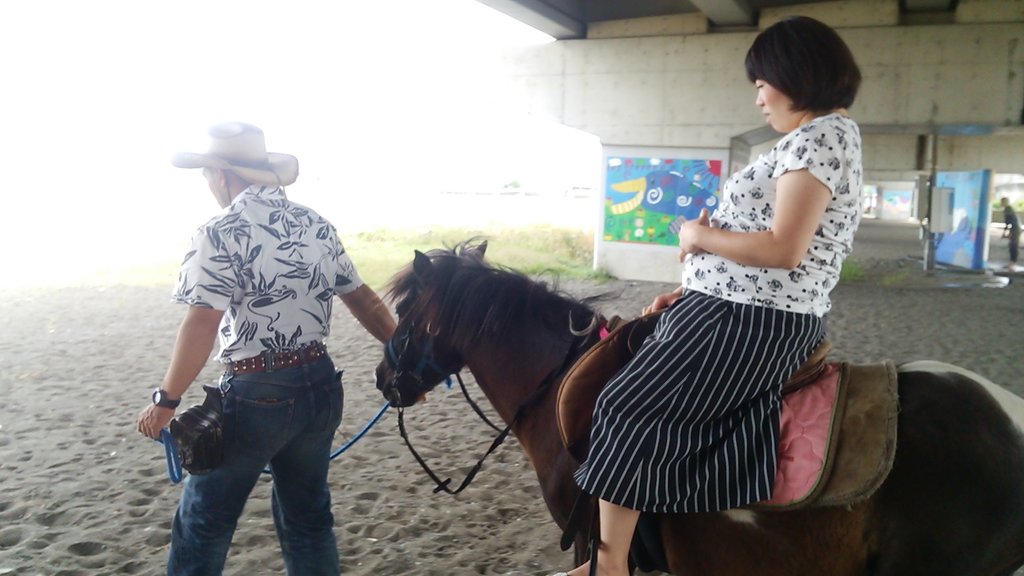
{"points": [[286, 419]]}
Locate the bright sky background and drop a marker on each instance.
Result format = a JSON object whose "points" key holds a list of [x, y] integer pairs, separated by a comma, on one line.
{"points": [[380, 101]]}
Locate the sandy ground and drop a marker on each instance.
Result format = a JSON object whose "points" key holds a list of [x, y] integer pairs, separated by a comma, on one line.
{"points": [[82, 493]]}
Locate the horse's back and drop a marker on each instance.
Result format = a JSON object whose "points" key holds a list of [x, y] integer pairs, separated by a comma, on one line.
{"points": [[954, 502], [1011, 403]]}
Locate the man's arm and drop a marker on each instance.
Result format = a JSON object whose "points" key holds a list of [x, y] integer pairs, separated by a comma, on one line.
{"points": [[370, 311], [192, 348]]}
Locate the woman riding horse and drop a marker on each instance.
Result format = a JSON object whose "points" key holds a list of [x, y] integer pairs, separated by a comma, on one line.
{"points": [[691, 424], [952, 505]]}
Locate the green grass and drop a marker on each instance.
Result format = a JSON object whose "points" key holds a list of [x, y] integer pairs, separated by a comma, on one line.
{"points": [[850, 272], [894, 278], [564, 252]]}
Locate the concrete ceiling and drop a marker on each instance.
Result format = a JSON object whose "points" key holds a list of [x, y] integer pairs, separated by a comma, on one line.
{"points": [[567, 19]]}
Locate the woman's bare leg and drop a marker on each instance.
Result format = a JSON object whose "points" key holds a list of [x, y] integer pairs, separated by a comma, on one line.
{"points": [[617, 525]]}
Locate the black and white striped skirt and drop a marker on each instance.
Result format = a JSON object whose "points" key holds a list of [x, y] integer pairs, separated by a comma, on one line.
{"points": [[691, 424]]}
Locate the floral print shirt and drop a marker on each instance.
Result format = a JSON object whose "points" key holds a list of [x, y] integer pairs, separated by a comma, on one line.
{"points": [[829, 147], [273, 266]]}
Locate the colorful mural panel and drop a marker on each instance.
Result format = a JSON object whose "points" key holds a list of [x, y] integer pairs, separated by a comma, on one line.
{"points": [[897, 204], [647, 199], [967, 244]]}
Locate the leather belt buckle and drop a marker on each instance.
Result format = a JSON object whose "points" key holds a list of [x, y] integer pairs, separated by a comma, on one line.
{"points": [[268, 360]]}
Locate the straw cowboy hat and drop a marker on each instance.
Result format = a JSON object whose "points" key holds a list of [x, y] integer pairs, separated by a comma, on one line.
{"points": [[241, 148]]}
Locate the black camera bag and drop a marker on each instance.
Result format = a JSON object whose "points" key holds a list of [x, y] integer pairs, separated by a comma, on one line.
{"points": [[198, 434]]}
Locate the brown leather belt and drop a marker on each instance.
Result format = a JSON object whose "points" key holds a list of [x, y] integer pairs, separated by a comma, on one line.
{"points": [[270, 361]]}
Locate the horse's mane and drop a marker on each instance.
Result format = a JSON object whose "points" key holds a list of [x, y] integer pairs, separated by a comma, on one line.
{"points": [[472, 300]]}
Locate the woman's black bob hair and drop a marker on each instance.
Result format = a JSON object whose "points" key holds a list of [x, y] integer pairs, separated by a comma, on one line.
{"points": [[807, 61]]}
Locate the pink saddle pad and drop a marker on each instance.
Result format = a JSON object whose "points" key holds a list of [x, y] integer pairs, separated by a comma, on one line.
{"points": [[805, 434]]}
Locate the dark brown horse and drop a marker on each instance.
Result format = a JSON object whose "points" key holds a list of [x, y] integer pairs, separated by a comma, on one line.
{"points": [[952, 505]]}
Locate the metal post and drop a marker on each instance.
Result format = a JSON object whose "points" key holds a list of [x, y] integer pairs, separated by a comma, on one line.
{"points": [[929, 235]]}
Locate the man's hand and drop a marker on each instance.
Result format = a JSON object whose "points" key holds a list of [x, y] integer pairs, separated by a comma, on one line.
{"points": [[153, 419]]}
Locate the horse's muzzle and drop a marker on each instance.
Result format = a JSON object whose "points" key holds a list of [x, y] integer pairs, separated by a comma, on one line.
{"points": [[388, 384]]}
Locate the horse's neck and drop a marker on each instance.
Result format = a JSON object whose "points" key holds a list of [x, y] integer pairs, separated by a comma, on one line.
{"points": [[508, 386], [509, 383], [536, 430]]}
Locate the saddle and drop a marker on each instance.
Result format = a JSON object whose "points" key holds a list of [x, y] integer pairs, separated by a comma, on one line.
{"points": [[838, 424]]}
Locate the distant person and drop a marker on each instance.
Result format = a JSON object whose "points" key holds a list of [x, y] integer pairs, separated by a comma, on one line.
{"points": [[261, 275], [691, 424], [1011, 231]]}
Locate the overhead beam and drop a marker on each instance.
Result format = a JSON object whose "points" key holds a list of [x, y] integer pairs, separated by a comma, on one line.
{"points": [[541, 16], [928, 5], [726, 12]]}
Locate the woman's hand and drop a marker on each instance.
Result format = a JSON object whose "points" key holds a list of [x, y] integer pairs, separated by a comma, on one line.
{"points": [[689, 232], [662, 301]]}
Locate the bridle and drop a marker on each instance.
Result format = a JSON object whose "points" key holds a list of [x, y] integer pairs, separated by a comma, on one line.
{"points": [[427, 374]]}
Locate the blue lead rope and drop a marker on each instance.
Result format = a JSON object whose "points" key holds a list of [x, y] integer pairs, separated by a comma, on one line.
{"points": [[361, 433], [174, 462], [355, 438]]}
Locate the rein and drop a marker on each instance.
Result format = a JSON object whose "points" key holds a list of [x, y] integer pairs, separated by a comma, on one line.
{"points": [[474, 405], [539, 392], [442, 485]]}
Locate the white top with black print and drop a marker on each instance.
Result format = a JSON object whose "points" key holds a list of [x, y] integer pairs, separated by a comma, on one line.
{"points": [[829, 147], [273, 266]]}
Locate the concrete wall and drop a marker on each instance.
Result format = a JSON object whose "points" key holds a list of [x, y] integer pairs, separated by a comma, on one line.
{"points": [[671, 82], [689, 88]]}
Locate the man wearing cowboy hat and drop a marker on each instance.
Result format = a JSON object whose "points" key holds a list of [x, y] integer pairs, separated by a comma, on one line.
{"points": [[261, 275]]}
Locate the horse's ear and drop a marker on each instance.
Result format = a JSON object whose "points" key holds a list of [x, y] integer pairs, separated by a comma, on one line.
{"points": [[480, 249], [422, 265]]}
